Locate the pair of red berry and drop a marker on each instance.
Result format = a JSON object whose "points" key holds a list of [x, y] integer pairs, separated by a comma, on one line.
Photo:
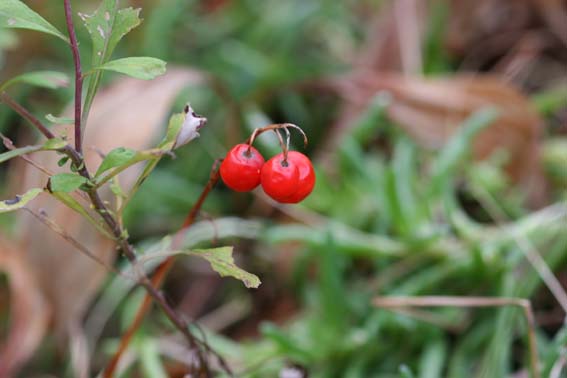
{"points": [[286, 179]]}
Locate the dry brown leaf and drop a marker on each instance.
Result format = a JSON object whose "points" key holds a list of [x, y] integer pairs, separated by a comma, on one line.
{"points": [[129, 113], [29, 311], [430, 110], [484, 29]]}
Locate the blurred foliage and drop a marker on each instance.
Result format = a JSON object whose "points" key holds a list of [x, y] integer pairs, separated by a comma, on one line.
{"points": [[389, 218]]}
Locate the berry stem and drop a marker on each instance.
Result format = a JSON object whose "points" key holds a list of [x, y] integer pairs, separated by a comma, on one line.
{"points": [[276, 126]]}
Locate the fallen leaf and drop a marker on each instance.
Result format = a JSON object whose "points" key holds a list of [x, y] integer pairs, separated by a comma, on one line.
{"points": [[28, 307], [430, 110]]}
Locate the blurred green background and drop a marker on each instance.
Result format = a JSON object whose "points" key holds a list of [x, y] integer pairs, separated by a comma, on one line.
{"points": [[390, 214]]}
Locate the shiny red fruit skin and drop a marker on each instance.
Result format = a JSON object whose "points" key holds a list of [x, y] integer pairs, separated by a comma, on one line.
{"points": [[240, 169], [306, 177], [279, 180]]}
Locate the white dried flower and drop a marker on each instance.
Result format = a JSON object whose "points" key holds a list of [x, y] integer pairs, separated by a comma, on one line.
{"points": [[190, 128]]}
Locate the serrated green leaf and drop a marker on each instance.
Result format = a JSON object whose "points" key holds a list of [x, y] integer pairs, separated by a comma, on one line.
{"points": [[221, 261], [66, 182], [145, 68], [59, 120], [16, 14], [43, 79], [19, 201], [108, 25], [115, 158]]}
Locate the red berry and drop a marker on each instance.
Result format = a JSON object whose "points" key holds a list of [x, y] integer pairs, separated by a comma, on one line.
{"points": [[240, 169], [280, 179], [306, 177]]}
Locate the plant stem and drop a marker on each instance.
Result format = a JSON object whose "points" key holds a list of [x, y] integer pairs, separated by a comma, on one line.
{"points": [[397, 302], [78, 75], [6, 99], [116, 229], [159, 276]]}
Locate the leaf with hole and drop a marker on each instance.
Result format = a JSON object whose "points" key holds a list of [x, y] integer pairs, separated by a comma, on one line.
{"points": [[145, 68], [43, 79], [106, 26], [16, 14], [221, 261], [66, 182], [19, 201]]}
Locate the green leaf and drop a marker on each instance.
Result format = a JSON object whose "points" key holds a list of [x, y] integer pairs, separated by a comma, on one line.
{"points": [[54, 144], [173, 128], [19, 201], [107, 26], [66, 182], [51, 144], [15, 14], [59, 120], [144, 68], [116, 189], [221, 261], [115, 158], [18, 152], [74, 205], [61, 162], [43, 79], [405, 372], [150, 360], [456, 149]]}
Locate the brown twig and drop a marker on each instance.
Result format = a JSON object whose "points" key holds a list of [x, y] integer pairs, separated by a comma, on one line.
{"points": [[99, 206], [159, 276], [445, 301], [10, 146], [78, 75], [43, 218], [6, 99], [116, 229], [276, 126]]}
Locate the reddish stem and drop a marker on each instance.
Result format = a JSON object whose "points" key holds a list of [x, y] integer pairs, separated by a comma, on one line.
{"points": [[26, 115], [78, 75], [160, 274]]}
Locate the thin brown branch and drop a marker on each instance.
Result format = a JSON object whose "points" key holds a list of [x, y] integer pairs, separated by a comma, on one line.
{"points": [[78, 75], [159, 277], [10, 146], [6, 99], [277, 126], [449, 301], [43, 218], [117, 231]]}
